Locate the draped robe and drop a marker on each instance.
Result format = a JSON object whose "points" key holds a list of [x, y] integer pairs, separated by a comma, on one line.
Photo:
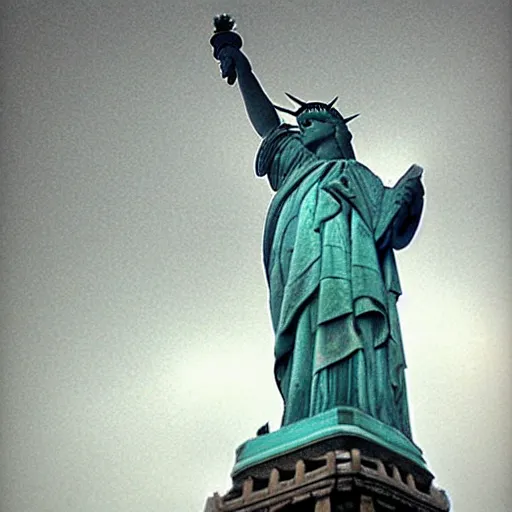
{"points": [[328, 252]]}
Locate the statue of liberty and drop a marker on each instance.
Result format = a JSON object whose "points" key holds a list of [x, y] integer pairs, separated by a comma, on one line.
{"points": [[330, 236]]}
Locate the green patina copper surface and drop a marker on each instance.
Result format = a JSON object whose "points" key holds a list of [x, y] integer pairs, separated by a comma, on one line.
{"points": [[328, 251], [330, 238]]}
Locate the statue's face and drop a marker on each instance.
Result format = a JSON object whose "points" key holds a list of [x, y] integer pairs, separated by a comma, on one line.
{"points": [[314, 129]]}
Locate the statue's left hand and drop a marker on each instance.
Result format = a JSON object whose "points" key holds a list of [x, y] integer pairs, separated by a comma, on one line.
{"points": [[410, 198]]}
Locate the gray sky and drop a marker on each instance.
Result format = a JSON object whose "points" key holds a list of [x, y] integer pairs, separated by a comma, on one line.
{"points": [[136, 347]]}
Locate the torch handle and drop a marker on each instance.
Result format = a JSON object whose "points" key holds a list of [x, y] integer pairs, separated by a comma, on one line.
{"points": [[224, 36]]}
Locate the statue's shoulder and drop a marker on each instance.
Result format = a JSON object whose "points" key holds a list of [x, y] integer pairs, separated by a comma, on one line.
{"points": [[281, 153], [361, 172], [273, 145]]}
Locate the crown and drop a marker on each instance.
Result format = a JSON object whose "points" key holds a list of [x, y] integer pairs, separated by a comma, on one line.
{"points": [[315, 106]]}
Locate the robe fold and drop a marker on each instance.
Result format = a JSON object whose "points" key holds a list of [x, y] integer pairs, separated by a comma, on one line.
{"points": [[328, 247]]}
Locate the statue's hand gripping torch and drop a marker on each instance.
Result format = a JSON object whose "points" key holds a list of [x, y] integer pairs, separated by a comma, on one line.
{"points": [[224, 36]]}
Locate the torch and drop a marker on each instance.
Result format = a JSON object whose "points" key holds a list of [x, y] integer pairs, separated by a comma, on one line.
{"points": [[224, 35]]}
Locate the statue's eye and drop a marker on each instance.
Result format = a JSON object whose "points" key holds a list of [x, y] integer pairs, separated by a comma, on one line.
{"points": [[306, 122]]}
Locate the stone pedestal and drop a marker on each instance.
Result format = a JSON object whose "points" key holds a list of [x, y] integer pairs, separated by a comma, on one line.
{"points": [[338, 481], [340, 428], [342, 460]]}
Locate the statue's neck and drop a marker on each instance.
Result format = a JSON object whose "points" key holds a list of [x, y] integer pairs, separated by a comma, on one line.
{"points": [[329, 149]]}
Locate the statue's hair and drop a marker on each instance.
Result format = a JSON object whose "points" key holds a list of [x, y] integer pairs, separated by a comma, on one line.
{"points": [[315, 106]]}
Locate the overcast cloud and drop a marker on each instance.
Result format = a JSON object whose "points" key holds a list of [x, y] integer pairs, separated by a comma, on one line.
{"points": [[136, 346]]}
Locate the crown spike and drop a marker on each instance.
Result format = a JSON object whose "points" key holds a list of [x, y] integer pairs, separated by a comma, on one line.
{"points": [[288, 111], [348, 119], [296, 100], [332, 102]]}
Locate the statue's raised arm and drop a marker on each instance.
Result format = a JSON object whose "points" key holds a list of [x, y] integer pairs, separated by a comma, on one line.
{"points": [[235, 66]]}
